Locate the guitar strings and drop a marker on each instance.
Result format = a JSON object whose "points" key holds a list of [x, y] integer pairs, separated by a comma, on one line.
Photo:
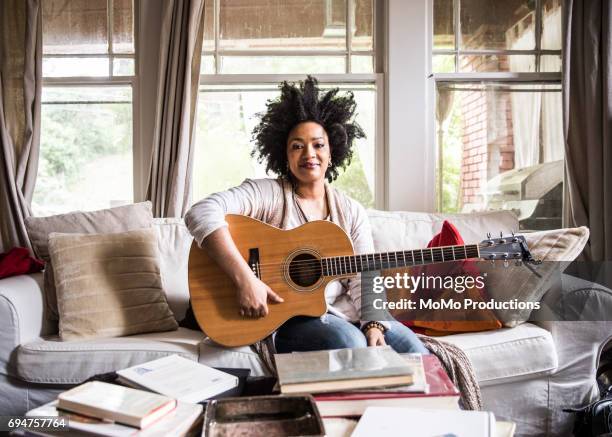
{"points": [[317, 263], [314, 266], [274, 274], [376, 257], [388, 254]]}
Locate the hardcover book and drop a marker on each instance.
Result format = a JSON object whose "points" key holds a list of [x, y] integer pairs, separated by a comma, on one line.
{"points": [[419, 382], [440, 393], [113, 402], [341, 369], [178, 422]]}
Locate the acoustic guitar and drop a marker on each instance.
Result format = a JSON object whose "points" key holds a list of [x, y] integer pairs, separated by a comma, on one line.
{"points": [[297, 264]]}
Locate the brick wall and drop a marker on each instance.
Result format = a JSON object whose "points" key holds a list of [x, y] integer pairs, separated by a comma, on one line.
{"points": [[488, 147]]}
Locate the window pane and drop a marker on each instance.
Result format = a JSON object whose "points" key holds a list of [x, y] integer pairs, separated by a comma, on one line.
{"points": [[497, 63], [209, 26], [75, 67], [363, 25], [286, 25], [123, 67], [444, 28], [362, 64], [207, 64], [501, 147], [551, 25], [86, 149], [226, 118], [358, 180], [550, 63], [75, 26], [283, 64], [123, 26], [443, 63], [508, 24]]}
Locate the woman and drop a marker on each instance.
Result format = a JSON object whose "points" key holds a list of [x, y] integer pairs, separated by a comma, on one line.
{"points": [[305, 138]]}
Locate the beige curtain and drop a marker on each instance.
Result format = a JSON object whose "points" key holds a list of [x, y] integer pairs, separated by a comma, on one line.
{"points": [[169, 186], [20, 91], [587, 110]]}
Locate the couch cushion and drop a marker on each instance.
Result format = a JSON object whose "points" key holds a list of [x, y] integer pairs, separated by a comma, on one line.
{"points": [[243, 357], [49, 360], [109, 285], [413, 230], [508, 354], [119, 219], [518, 282], [174, 242]]}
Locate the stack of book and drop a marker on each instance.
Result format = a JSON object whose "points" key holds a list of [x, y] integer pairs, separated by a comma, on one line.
{"points": [[345, 382], [163, 400]]}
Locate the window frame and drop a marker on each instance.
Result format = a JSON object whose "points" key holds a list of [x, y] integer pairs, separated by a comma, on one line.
{"points": [[509, 78], [377, 78], [410, 105], [138, 175], [538, 52]]}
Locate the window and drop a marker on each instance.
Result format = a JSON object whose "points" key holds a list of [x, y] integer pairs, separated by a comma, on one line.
{"points": [[87, 106], [249, 48], [498, 108]]}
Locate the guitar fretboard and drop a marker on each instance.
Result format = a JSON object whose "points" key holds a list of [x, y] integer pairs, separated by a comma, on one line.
{"points": [[343, 265]]}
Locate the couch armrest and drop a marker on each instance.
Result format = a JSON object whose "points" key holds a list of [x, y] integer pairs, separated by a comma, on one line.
{"points": [[579, 341], [577, 311], [21, 315]]}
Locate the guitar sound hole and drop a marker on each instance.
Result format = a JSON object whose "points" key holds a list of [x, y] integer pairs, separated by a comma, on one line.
{"points": [[305, 270]]}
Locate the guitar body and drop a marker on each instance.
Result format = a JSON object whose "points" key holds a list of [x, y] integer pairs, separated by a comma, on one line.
{"points": [[287, 261]]}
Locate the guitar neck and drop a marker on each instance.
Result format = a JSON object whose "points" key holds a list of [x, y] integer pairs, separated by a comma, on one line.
{"points": [[343, 265]]}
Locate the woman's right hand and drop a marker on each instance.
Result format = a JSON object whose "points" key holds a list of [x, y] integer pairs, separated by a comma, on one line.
{"points": [[253, 298]]}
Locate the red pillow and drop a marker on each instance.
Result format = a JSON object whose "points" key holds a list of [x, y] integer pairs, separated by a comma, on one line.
{"points": [[448, 236], [18, 261], [475, 320]]}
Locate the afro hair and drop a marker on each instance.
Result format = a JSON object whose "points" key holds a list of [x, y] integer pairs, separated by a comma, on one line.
{"points": [[299, 103]]}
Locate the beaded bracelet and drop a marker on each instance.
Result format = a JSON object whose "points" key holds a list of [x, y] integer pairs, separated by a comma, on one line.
{"points": [[373, 324]]}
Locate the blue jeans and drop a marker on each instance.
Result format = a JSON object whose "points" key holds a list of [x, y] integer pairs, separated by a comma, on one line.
{"points": [[331, 332]]}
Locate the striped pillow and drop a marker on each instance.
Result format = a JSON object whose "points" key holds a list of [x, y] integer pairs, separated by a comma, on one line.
{"points": [[109, 285]]}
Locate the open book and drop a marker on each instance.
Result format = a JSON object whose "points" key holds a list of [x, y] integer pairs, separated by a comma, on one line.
{"points": [[178, 378]]}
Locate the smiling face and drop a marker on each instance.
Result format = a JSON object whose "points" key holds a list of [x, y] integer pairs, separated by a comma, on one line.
{"points": [[308, 152]]}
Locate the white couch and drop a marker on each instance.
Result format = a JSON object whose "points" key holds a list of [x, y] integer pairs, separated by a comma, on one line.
{"points": [[527, 374]]}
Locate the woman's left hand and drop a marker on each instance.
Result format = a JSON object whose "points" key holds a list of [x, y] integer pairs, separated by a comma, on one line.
{"points": [[375, 337]]}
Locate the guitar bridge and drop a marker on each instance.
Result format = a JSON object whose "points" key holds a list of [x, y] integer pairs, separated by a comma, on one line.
{"points": [[254, 261]]}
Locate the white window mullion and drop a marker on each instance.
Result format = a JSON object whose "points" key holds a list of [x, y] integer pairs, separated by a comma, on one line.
{"points": [[109, 21]]}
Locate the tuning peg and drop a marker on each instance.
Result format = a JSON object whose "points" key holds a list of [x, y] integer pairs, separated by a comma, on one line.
{"points": [[488, 235], [501, 234], [506, 264], [512, 232]]}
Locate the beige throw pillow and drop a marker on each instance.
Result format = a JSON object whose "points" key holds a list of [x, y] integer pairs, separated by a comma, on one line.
{"points": [[109, 285], [119, 219], [518, 282]]}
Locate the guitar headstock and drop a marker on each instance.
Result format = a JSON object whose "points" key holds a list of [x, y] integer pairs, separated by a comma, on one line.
{"points": [[508, 248]]}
